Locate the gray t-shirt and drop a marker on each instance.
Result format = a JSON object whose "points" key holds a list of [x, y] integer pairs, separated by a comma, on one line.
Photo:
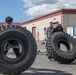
{"points": [[48, 31]]}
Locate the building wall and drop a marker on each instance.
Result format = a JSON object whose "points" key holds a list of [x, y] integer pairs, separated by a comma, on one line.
{"points": [[40, 25], [66, 17], [68, 20]]}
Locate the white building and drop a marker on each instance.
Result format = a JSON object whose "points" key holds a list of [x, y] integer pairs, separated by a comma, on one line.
{"points": [[66, 17]]}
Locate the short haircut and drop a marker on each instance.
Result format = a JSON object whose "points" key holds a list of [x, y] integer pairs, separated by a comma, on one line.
{"points": [[8, 19]]}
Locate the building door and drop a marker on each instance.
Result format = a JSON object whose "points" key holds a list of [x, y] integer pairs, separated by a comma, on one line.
{"points": [[70, 30], [34, 32]]}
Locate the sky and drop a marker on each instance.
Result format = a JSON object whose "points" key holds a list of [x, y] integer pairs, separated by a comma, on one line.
{"points": [[24, 10]]}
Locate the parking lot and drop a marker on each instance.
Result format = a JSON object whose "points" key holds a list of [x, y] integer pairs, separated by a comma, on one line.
{"points": [[43, 66]]}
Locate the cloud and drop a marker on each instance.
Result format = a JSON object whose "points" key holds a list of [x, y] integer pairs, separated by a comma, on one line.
{"points": [[67, 4], [31, 3], [37, 8], [40, 10]]}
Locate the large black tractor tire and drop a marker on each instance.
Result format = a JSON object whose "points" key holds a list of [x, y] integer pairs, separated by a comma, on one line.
{"points": [[61, 56], [16, 34]]}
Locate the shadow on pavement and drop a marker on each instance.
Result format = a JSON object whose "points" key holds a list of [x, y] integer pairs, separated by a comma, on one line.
{"points": [[34, 71]]}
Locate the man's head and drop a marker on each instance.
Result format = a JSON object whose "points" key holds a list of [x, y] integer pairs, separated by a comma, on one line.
{"points": [[8, 20], [51, 24], [59, 27]]}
